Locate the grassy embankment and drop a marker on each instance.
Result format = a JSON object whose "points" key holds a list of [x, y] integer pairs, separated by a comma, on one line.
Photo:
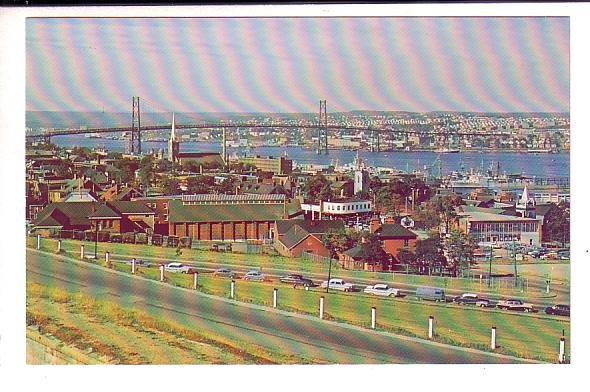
{"points": [[115, 335], [524, 335], [266, 263]]}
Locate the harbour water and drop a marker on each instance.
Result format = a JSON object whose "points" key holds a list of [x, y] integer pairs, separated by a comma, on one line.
{"points": [[530, 164]]}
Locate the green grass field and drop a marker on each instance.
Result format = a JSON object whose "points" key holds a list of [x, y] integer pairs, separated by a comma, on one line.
{"points": [[534, 336], [211, 260]]}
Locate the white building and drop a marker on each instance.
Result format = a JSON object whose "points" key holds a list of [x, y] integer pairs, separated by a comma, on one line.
{"points": [[338, 209]]}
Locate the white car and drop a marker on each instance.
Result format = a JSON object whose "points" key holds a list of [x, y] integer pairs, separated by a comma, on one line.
{"points": [[254, 275], [383, 290], [179, 267], [338, 284]]}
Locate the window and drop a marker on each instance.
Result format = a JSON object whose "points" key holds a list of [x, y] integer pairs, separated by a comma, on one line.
{"points": [[406, 242]]}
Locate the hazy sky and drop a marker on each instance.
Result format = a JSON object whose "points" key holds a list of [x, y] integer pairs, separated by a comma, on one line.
{"points": [[289, 64]]}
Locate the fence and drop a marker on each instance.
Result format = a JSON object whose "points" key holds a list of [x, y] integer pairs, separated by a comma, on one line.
{"points": [[262, 246]]}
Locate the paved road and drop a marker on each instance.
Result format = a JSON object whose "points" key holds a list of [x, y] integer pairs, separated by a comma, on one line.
{"points": [[300, 335]]}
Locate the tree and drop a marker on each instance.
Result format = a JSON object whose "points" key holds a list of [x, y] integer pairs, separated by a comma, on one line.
{"points": [[460, 250], [63, 169], [446, 208], [556, 223], [429, 254], [128, 168], [338, 241], [318, 188], [405, 257], [372, 251], [428, 214], [146, 170], [163, 166], [200, 184], [169, 185], [227, 185]]}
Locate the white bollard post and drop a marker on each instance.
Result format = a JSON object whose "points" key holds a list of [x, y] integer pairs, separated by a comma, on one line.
{"points": [[107, 257], [161, 273], [322, 307], [232, 290], [430, 327], [133, 265], [38, 241], [195, 280], [274, 298], [81, 251], [59, 245], [562, 350], [373, 317], [493, 342]]}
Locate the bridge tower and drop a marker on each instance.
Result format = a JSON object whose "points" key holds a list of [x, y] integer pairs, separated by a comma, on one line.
{"points": [[375, 140], [323, 129], [135, 141]]}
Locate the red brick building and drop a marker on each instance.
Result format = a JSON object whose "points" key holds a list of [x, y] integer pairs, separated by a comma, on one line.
{"points": [[228, 217], [297, 236]]}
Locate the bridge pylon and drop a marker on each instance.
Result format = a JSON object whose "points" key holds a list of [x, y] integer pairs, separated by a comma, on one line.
{"points": [[323, 129], [135, 139]]}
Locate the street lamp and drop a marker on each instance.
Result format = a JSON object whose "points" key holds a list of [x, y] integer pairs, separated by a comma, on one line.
{"points": [[329, 274], [95, 238], [490, 271]]}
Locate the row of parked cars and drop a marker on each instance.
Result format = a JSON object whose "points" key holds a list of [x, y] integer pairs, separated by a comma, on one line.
{"points": [[509, 304], [380, 289]]}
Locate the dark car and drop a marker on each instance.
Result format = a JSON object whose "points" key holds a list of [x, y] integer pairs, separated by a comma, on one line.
{"points": [[296, 280], [560, 310], [224, 272], [472, 299]]}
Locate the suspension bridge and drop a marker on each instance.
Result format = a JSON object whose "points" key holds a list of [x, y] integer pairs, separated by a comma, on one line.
{"points": [[319, 124]]}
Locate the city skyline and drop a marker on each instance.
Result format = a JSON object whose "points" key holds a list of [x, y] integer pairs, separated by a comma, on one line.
{"points": [[477, 64]]}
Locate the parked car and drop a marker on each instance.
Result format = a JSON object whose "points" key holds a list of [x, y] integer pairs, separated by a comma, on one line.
{"points": [[173, 267], [224, 272], [430, 293], [338, 284], [382, 289], [472, 299], [560, 310], [563, 254], [297, 280], [516, 304], [254, 275]]}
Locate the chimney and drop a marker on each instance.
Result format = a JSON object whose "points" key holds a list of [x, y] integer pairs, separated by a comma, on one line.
{"points": [[374, 223]]}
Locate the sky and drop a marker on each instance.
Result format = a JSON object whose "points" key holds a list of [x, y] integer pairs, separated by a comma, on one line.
{"points": [[510, 64]]}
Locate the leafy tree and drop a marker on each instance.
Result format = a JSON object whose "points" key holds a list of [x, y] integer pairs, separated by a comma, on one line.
{"points": [[200, 184], [405, 257], [446, 209], [63, 169], [429, 254], [169, 185], [460, 250], [556, 224], [82, 152], [190, 166], [163, 166], [428, 214], [318, 188], [228, 185], [146, 170], [128, 168], [338, 241], [372, 251]]}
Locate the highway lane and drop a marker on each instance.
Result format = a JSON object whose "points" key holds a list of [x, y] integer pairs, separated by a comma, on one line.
{"points": [[300, 335]]}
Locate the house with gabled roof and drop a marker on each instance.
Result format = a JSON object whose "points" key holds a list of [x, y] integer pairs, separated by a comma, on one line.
{"points": [[294, 237]]}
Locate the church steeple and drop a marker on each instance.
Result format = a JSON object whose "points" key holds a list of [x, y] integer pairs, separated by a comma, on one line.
{"points": [[526, 204], [173, 146]]}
